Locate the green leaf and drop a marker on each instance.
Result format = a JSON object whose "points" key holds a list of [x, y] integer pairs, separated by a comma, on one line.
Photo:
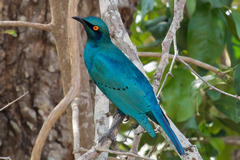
{"points": [[158, 27], [191, 124], [233, 21], [195, 94], [230, 124], [237, 109], [218, 144], [218, 3], [198, 84], [236, 76], [213, 3], [191, 6], [227, 154], [214, 95], [216, 127], [233, 49], [11, 32], [175, 96], [181, 34], [146, 6], [226, 105], [206, 34], [236, 19]]}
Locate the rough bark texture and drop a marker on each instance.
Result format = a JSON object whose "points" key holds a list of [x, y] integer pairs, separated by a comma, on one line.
{"points": [[30, 62]]}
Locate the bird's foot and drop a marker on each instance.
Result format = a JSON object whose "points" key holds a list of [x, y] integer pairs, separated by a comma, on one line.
{"points": [[126, 119], [118, 111], [107, 135]]}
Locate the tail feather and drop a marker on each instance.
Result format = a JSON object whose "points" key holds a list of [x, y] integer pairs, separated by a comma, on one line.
{"points": [[158, 117]]}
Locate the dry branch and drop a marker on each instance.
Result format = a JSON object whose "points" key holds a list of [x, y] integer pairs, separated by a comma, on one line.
{"points": [[211, 87], [166, 44], [46, 27], [50, 121], [13, 101], [124, 153], [185, 59], [93, 152], [75, 72], [75, 126]]}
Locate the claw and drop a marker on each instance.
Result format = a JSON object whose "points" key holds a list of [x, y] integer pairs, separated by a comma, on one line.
{"points": [[107, 135]]}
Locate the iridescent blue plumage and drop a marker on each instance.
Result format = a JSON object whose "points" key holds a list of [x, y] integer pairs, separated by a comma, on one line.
{"points": [[120, 80]]}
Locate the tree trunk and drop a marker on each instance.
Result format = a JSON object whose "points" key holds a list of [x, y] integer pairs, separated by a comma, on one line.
{"points": [[29, 62]]}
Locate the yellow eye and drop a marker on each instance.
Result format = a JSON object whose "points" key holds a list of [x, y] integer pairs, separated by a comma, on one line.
{"points": [[95, 28]]}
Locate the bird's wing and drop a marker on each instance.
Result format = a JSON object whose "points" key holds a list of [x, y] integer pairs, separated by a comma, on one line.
{"points": [[119, 82]]}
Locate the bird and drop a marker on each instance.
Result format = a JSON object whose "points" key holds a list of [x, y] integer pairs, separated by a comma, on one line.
{"points": [[121, 81]]}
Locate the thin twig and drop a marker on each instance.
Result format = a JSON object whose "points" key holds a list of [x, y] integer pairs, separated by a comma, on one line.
{"points": [[230, 140], [186, 59], [136, 140], [166, 44], [46, 27], [123, 153], [14, 101], [210, 86], [93, 153], [75, 126], [171, 66], [115, 148], [5, 158], [151, 151]]}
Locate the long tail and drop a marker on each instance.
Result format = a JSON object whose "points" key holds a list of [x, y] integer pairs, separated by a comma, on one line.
{"points": [[157, 116]]}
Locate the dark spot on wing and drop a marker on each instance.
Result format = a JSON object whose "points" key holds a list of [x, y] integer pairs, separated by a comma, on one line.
{"points": [[114, 88]]}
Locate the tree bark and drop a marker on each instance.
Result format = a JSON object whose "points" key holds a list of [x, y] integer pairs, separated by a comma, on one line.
{"points": [[30, 62]]}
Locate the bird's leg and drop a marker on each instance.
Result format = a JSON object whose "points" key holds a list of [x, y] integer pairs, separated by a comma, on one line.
{"points": [[118, 111], [109, 132]]}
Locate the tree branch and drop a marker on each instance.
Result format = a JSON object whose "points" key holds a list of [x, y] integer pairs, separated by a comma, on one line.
{"points": [[210, 86], [8, 158], [93, 152], [73, 92], [136, 140], [187, 60], [190, 150], [13, 101], [171, 66], [166, 44], [123, 153], [75, 126], [46, 27], [232, 140], [101, 118]]}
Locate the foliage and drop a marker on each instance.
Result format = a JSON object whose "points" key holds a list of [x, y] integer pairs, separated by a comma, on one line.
{"points": [[10, 32], [210, 32]]}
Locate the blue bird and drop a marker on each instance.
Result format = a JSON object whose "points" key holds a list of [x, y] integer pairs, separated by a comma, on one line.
{"points": [[121, 81]]}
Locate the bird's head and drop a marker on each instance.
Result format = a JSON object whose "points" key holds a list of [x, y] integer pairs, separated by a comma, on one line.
{"points": [[96, 28]]}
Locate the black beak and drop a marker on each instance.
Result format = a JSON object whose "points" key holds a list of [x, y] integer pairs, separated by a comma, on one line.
{"points": [[79, 19]]}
